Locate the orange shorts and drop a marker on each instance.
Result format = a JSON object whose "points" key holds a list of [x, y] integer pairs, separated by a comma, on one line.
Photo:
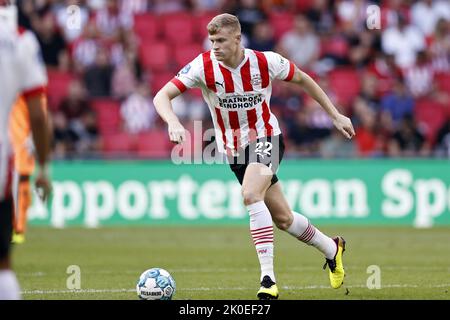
{"points": [[21, 139]]}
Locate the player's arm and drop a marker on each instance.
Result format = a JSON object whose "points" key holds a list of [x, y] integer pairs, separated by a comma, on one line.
{"points": [[341, 122], [163, 106], [41, 139]]}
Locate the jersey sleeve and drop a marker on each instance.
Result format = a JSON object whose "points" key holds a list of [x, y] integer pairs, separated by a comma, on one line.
{"points": [[190, 75], [32, 72], [280, 67]]}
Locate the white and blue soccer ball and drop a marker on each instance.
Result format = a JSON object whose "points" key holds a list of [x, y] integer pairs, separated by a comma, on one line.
{"points": [[155, 284]]}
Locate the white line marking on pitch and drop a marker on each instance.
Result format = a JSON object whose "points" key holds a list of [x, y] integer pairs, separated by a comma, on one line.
{"points": [[209, 270], [312, 287]]}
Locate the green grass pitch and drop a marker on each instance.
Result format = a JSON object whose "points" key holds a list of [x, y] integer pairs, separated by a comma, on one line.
{"points": [[211, 262]]}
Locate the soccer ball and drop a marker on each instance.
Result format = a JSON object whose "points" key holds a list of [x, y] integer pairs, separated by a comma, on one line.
{"points": [[155, 284]]}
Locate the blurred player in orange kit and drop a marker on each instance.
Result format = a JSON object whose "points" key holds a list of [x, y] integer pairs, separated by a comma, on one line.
{"points": [[24, 164]]}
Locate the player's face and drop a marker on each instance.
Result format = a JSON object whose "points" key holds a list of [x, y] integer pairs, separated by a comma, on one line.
{"points": [[225, 44]]}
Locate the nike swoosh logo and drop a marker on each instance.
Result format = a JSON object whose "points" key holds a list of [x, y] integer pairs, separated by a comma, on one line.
{"points": [[220, 84]]}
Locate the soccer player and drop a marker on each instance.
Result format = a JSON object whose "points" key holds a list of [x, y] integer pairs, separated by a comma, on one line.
{"points": [[24, 163], [22, 72], [236, 85]]}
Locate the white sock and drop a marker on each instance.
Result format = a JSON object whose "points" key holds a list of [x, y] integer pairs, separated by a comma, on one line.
{"points": [[261, 229], [304, 231], [9, 287]]}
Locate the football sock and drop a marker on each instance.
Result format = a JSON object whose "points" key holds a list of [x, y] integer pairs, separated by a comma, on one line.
{"points": [[261, 230], [304, 231], [9, 287], [24, 203]]}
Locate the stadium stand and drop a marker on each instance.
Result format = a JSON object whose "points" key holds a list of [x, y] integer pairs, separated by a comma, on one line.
{"points": [[149, 42]]}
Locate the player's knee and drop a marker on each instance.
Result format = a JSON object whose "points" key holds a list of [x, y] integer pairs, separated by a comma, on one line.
{"points": [[250, 197]]}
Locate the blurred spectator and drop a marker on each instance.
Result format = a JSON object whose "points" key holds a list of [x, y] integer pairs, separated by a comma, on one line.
{"points": [[96, 4], [206, 5], [86, 47], [407, 140], [167, 6], [321, 16], [300, 44], [52, 43], [300, 134], [76, 104], [310, 124], [127, 67], [124, 78], [366, 137], [440, 47], [384, 68], [132, 7], [419, 78], [63, 137], [262, 38], [110, 20], [87, 139], [97, 77], [403, 41], [138, 112], [426, 13], [352, 14], [337, 146], [390, 11], [367, 97], [335, 50], [27, 12], [125, 50], [398, 103], [362, 45], [249, 13], [196, 107]]}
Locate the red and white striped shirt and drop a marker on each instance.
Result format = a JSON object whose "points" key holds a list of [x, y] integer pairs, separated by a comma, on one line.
{"points": [[239, 98], [22, 72]]}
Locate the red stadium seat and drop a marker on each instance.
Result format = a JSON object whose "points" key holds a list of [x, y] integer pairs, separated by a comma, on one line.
{"points": [[443, 82], [146, 27], [336, 46], [155, 56], [178, 28], [108, 115], [119, 143], [154, 144], [159, 80], [345, 82], [303, 5], [201, 21], [58, 87], [186, 53], [431, 116], [281, 23]]}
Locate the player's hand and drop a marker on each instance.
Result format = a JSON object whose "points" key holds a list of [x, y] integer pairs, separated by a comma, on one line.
{"points": [[43, 185], [177, 133], [344, 125]]}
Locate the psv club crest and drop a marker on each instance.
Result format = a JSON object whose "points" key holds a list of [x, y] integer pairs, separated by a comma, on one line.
{"points": [[256, 80]]}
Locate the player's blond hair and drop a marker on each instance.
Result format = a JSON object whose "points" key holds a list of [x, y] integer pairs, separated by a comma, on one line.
{"points": [[224, 20]]}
